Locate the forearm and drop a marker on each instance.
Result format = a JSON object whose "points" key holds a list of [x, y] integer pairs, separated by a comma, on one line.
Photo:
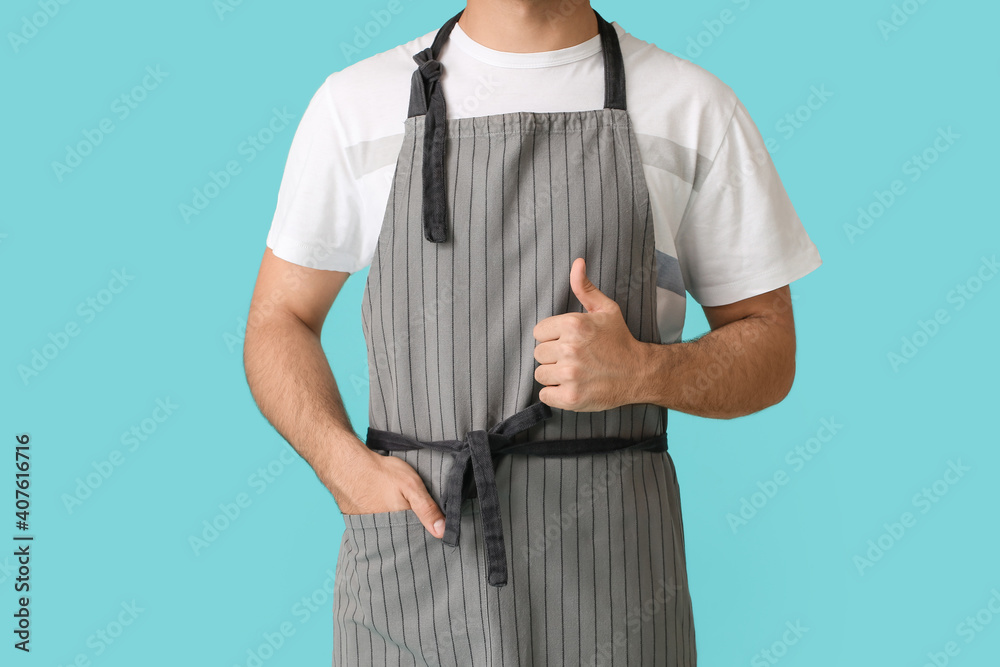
{"points": [[735, 370], [291, 381]]}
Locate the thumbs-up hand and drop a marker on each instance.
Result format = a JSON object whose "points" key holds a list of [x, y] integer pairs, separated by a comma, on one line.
{"points": [[589, 361]]}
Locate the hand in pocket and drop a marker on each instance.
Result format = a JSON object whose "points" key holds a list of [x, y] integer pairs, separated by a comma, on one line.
{"points": [[389, 484]]}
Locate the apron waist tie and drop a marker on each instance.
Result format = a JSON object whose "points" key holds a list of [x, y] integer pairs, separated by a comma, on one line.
{"points": [[478, 449]]}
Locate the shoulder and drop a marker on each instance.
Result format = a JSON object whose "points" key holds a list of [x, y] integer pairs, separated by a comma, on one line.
{"points": [[388, 70], [370, 97], [675, 98]]}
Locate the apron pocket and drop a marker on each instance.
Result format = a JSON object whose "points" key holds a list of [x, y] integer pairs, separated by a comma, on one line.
{"points": [[390, 570]]}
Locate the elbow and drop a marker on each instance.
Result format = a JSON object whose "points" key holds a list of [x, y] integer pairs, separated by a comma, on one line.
{"points": [[777, 389], [782, 383]]}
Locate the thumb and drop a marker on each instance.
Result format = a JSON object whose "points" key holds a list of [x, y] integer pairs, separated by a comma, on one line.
{"points": [[591, 298], [426, 509]]}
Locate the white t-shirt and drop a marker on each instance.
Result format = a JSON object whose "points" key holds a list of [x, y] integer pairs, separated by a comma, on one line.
{"points": [[734, 236]]}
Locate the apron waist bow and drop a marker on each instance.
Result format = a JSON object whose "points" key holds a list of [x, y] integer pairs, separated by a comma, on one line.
{"points": [[478, 448]]}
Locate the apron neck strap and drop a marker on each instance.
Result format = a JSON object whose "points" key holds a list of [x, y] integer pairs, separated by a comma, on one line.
{"points": [[427, 99], [428, 72], [614, 65]]}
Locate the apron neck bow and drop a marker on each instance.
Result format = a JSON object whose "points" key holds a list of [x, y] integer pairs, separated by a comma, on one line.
{"points": [[429, 67]]}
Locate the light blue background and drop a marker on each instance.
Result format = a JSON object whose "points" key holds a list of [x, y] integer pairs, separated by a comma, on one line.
{"points": [[173, 333]]}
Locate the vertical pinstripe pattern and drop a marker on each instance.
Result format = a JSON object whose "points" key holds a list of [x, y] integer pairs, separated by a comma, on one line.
{"points": [[595, 543]]}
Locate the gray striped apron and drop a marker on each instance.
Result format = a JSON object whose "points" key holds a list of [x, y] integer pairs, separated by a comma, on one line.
{"points": [[564, 543]]}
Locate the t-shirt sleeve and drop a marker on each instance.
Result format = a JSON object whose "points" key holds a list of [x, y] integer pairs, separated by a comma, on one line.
{"points": [[740, 235], [317, 219]]}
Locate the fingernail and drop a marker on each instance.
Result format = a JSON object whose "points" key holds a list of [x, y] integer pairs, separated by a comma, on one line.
{"points": [[439, 527]]}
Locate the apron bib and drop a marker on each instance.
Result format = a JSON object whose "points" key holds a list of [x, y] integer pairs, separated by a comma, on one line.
{"points": [[564, 542]]}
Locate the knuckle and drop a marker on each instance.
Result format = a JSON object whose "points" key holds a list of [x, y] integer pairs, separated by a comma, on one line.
{"points": [[413, 484], [422, 504], [571, 396]]}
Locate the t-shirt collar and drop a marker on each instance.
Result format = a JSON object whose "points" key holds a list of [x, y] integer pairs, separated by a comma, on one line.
{"points": [[535, 59]]}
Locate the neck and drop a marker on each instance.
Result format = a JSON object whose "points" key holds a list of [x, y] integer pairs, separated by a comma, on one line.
{"points": [[528, 26]]}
